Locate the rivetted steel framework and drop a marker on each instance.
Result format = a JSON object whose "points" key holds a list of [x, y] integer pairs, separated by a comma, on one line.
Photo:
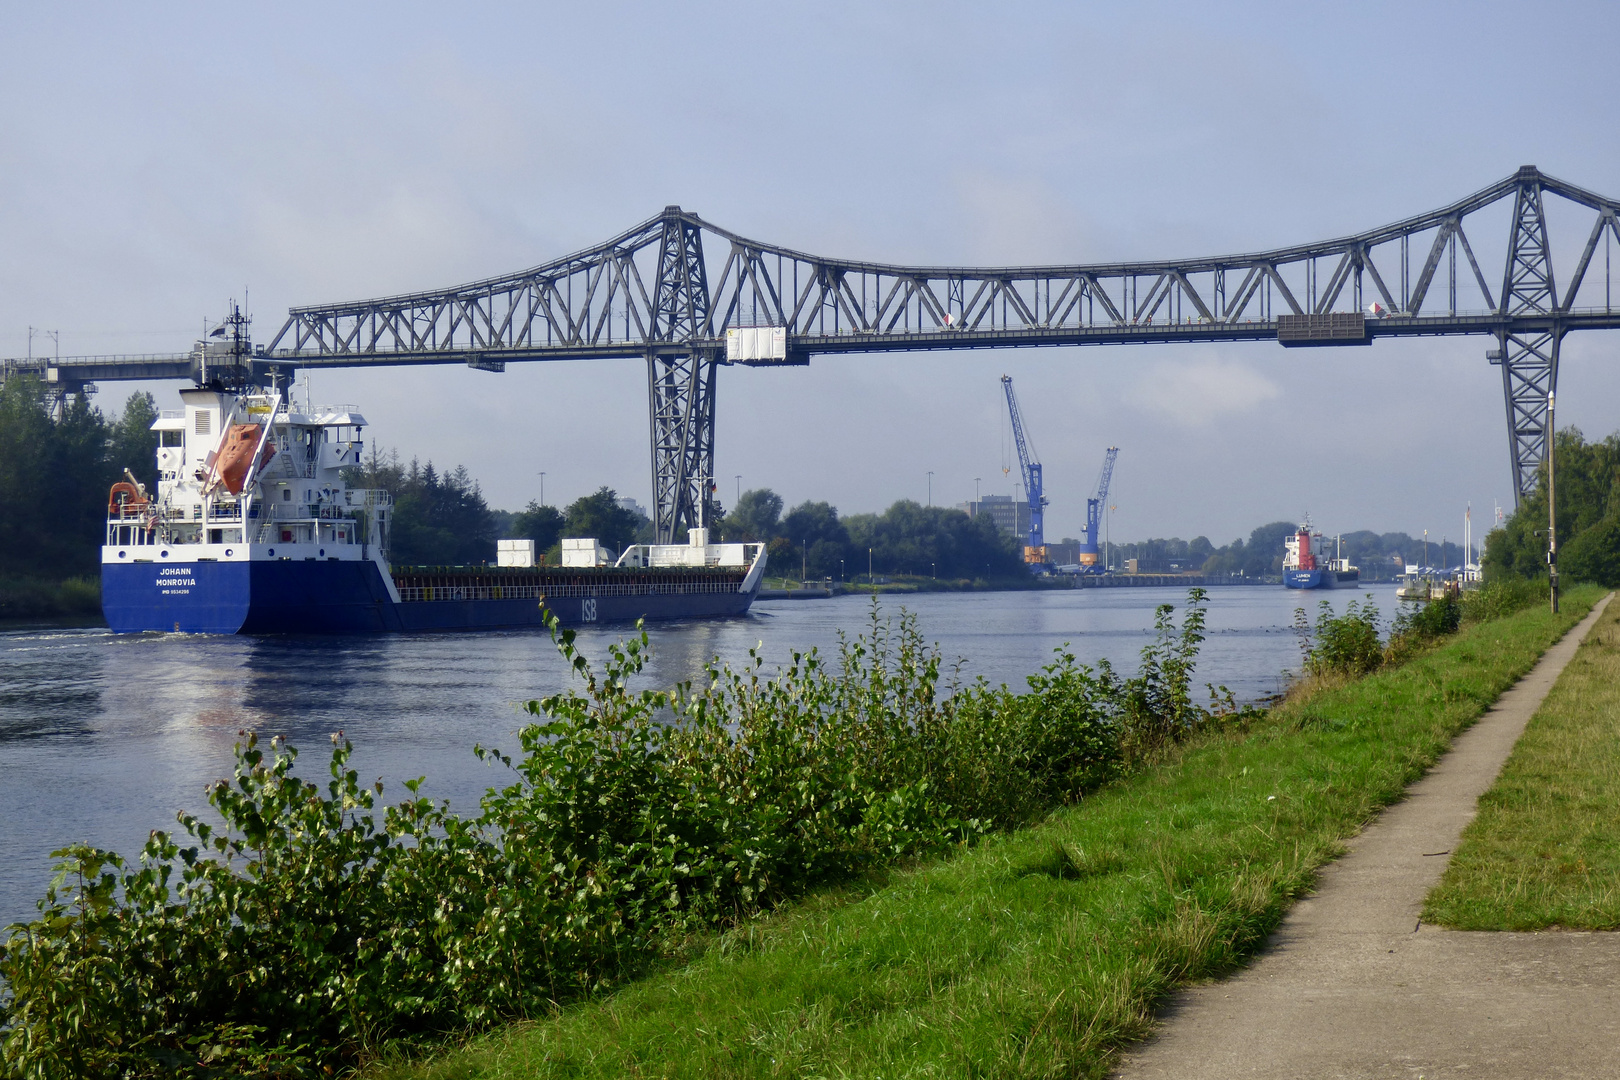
{"points": [[647, 293]]}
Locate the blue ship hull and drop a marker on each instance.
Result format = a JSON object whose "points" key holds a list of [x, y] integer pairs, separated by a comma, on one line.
{"points": [[350, 597], [1321, 579]]}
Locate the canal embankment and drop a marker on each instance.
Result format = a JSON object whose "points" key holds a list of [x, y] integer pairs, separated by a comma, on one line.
{"points": [[1543, 852], [1048, 950], [1356, 981], [914, 842]]}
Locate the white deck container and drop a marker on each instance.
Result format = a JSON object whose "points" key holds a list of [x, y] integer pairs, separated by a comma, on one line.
{"points": [[514, 553]]}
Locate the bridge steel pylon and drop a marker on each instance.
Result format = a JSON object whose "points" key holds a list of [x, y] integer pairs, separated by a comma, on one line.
{"points": [[686, 297], [680, 385], [1529, 357]]}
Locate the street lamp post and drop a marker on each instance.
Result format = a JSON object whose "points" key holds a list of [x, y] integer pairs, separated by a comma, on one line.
{"points": [[870, 580], [930, 487], [739, 491], [1552, 510], [542, 487]]}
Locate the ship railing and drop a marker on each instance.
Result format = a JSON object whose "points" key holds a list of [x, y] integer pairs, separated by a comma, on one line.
{"points": [[313, 411], [306, 513], [129, 535], [415, 593]]}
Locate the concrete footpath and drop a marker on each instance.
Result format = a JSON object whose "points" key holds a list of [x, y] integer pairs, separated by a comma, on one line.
{"points": [[1352, 986]]}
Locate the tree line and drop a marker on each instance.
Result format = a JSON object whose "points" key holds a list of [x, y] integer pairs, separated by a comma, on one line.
{"points": [[441, 518], [1380, 556], [55, 469], [56, 465], [1587, 481], [906, 539]]}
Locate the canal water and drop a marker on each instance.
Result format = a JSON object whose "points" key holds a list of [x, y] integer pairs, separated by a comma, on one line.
{"points": [[103, 737]]}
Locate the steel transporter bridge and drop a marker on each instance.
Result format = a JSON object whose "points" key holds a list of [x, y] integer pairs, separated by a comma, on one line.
{"points": [[689, 297]]}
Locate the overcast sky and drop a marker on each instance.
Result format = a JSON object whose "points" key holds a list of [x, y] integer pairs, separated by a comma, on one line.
{"points": [[158, 160]]}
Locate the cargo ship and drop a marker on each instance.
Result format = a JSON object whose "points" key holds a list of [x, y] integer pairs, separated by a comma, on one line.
{"points": [[254, 530], [1303, 568]]}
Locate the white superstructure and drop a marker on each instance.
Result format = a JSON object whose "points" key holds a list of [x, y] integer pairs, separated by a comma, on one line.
{"points": [[249, 476]]}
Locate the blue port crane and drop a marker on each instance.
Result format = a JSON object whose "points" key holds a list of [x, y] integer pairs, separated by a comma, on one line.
{"points": [[1090, 563], [1035, 546]]}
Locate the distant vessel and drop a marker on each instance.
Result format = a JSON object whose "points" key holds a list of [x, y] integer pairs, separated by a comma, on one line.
{"points": [[1303, 568], [1431, 585], [254, 530]]}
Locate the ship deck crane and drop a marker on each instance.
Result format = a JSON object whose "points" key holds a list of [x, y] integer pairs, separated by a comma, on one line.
{"points": [[1090, 563], [1035, 545]]}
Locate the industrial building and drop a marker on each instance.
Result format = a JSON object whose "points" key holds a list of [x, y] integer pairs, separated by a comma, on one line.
{"points": [[1010, 515]]}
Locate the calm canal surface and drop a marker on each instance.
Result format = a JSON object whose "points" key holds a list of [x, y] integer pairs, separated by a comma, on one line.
{"points": [[103, 738]]}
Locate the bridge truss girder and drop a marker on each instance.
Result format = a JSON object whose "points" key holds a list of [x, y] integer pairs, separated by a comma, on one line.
{"points": [[647, 294], [602, 301], [616, 300]]}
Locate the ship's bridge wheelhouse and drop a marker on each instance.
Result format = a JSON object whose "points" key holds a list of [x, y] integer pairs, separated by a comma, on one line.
{"points": [[253, 470]]}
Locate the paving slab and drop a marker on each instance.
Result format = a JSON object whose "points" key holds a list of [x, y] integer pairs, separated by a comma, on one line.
{"points": [[1353, 987]]}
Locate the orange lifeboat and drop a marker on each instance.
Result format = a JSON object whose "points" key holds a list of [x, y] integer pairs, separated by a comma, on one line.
{"points": [[236, 456], [126, 500]]}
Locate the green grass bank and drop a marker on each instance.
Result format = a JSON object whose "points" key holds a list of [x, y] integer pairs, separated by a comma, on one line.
{"points": [[1544, 851], [1040, 953]]}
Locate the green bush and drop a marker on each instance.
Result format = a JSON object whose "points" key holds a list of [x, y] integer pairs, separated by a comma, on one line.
{"points": [[314, 927], [1345, 645], [1350, 646], [1502, 596], [1434, 618], [1594, 554]]}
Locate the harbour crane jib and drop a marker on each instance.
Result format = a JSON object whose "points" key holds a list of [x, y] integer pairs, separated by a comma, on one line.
{"points": [[1090, 559], [1035, 545]]}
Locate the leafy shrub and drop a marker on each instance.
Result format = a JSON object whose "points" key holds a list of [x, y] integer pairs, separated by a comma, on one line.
{"points": [[1345, 645], [1349, 645], [1503, 595], [313, 927], [1158, 700], [1419, 626], [1594, 553], [1435, 618]]}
